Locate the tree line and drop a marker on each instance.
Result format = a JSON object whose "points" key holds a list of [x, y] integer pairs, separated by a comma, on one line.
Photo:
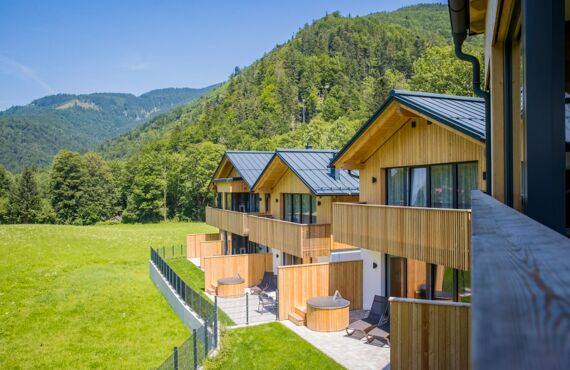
{"points": [[85, 189]]}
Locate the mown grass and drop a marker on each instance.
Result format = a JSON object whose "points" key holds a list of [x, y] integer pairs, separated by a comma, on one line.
{"points": [[268, 346], [194, 278], [80, 297]]}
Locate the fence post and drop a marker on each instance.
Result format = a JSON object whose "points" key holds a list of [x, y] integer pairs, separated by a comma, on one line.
{"points": [[195, 349], [215, 321], [206, 338], [175, 358], [247, 308]]}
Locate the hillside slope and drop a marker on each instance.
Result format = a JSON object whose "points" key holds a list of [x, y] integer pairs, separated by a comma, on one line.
{"points": [[31, 135], [314, 89]]}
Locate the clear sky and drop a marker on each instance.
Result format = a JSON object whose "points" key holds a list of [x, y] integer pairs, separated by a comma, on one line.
{"points": [[84, 46]]}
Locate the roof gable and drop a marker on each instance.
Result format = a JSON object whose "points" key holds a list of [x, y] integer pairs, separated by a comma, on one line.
{"points": [[312, 168], [465, 115], [248, 164]]}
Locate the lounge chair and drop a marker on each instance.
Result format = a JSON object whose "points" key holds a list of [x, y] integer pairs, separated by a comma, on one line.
{"points": [[263, 285], [372, 319], [265, 302], [382, 330]]}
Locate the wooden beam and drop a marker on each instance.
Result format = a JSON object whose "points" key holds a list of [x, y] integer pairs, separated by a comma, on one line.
{"points": [[521, 283]]}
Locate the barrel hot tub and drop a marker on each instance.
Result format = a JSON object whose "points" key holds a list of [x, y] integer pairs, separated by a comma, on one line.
{"points": [[230, 287], [327, 313]]}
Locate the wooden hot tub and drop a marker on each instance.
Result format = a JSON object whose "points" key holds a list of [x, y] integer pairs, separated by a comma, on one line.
{"points": [[230, 287], [327, 313]]}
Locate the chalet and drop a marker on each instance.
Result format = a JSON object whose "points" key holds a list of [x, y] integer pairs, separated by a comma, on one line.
{"points": [[298, 189], [418, 157], [232, 183]]}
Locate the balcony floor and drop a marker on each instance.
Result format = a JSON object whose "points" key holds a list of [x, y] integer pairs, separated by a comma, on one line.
{"points": [[351, 352]]}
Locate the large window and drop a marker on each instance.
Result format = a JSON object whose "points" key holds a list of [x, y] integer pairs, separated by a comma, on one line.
{"points": [[242, 202], [437, 186], [300, 208]]}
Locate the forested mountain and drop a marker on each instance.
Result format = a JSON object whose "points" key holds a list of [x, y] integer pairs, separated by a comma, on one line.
{"points": [[33, 134], [316, 88]]}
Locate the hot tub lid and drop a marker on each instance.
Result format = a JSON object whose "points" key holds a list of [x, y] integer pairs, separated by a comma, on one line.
{"points": [[327, 302], [232, 280]]}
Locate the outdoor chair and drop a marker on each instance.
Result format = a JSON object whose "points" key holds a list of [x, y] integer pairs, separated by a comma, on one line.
{"points": [[265, 302], [263, 285], [372, 319], [382, 330]]}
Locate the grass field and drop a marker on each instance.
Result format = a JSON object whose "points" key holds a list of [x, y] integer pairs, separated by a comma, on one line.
{"points": [[80, 297], [194, 278], [268, 346]]}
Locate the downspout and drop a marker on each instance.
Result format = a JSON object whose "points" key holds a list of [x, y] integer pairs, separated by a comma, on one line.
{"points": [[459, 16]]}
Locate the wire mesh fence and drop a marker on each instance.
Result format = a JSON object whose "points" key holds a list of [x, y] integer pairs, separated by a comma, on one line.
{"points": [[250, 308], [198, 303], [194, 350], [174, 251], [192, 353]]}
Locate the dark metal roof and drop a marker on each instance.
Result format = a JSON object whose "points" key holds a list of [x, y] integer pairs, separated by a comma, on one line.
{"points": [[465, 114], [249, 164], [312, 168]]}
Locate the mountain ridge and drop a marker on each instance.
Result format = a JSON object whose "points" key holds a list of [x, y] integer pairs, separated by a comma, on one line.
{"points": [[30, 135]]}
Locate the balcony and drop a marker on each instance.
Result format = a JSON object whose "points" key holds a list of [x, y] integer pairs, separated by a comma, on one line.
{"points": [[232, 221], [434, 235], [300, 240]]}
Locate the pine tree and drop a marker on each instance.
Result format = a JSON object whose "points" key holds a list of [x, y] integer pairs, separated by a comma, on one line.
{"points": [[5, 182], [67, 181], [24, 201]]}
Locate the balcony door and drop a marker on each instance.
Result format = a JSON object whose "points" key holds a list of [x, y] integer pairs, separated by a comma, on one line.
{"points": [[300, 208], [437, 186]]}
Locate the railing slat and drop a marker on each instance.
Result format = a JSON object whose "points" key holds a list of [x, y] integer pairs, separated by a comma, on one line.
{"points": [[438, 236]]}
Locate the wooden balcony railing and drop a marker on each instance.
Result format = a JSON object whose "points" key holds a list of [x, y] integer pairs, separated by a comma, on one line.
{"points": [[434, 235], [429, 334], [232, 221], [300, 240]]}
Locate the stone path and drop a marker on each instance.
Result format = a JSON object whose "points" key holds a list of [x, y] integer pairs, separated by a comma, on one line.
{"points": [[351, 352]]}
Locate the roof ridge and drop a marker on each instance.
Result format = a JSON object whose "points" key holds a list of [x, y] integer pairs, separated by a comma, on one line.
{"points": [[249, 151], [303, 150], [396, 92]]}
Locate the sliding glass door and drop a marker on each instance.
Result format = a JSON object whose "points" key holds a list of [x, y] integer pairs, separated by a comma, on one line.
{"points": [[437, 186], [300, 208]]}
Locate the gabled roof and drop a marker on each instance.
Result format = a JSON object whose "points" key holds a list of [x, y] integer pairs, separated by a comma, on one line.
{"points": [[464, 114], [248, 164], [312, 168]]}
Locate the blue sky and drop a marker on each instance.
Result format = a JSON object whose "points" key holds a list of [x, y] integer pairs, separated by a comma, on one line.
{"points": [[84, 46]]}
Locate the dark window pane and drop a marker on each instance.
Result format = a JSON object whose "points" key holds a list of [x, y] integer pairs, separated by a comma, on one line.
{"points": [[442, 186], [466, 181], [288, 206], [306, 209], [418, 187], [396, 187], [296, 208], [313, 209]]}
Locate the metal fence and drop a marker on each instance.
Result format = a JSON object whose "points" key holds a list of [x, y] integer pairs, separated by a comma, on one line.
{"points": [[198, 303], [174, 251], [195, 349], [192, 353], [250, 308]]}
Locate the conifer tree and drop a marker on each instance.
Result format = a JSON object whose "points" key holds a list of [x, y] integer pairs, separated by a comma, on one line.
{"points": [[24, 201]]}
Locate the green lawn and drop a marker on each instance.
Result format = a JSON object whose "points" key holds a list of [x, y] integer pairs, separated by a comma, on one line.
{"points": [[194, 278], [268, 346], [80, 297]]}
